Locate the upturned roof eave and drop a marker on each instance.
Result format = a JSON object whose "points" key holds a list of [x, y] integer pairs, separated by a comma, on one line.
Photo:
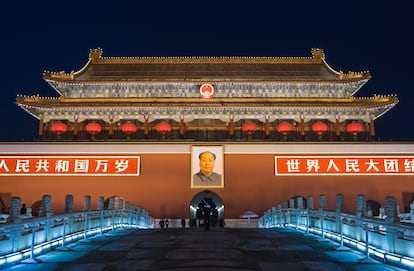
{"points": [[207, 80], [95, 58], [171, 102]]}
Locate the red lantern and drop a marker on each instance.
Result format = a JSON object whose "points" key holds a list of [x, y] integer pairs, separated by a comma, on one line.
{"points": [[163, 128], [284, 128], [354, 128], [59, 128], [319, 127], [93, 128], [129, 128], [249, 127]]}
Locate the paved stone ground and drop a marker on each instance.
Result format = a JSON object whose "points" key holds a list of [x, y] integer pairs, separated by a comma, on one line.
{"points": [[196, 249]]}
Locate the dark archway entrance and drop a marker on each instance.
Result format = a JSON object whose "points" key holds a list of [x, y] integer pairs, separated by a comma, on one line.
{"points": [[206, 205]]}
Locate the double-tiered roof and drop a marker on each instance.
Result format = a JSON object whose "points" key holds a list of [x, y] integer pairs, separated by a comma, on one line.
{"points": [[263, 89]]}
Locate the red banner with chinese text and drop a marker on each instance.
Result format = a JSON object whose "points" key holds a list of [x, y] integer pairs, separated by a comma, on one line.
{"points": [[69, 165], [344, 165]]}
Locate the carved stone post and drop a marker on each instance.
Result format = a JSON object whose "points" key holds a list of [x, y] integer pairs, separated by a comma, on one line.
{"points": [[322, 207], [412, 212], [338, 210], [120, 203], [87, 203], [47, 205], [390, 210], [300, 202], [15, 204], [69, 204], [100, 203], [279, 207], [339, 202], [361, 211], [132, 218], [310, 203], [69, 209], [292, 203], [361, 206], [111, 203], [322, 202], [391, 218], [47, 212]]}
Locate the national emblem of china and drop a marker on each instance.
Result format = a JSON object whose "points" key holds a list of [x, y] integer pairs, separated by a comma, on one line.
{"points": [[206, 91]]}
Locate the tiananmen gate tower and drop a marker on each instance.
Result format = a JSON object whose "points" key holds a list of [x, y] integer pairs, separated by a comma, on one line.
{"points": [[276, 128]]}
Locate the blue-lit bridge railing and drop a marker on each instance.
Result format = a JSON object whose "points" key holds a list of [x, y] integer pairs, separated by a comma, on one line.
{"points": [[22, 241], [389, 239]]}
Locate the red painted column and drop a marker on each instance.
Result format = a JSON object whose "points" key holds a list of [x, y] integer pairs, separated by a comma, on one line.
{"points": [[372, 128], [40, 132]]}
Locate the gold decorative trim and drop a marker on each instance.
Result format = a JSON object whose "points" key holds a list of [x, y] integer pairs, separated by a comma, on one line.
{"points": [[96, 58], [255, 102]]}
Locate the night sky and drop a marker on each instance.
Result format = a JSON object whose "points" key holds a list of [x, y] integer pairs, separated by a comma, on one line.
{"points": [[374, 36]]}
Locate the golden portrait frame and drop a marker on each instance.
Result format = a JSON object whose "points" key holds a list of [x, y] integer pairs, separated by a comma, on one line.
{"points": [[199, 179]]}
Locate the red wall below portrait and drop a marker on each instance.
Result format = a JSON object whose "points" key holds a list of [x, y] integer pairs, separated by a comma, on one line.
{"points": [[163, 187]]}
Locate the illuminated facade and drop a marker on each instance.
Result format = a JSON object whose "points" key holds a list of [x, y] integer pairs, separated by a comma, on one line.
{"points": [[129, 127], [207, 99]]}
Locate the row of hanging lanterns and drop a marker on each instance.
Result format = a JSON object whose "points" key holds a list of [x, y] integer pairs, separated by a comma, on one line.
{"points": [[94, 128], [60, 128], [318, 127], [163, 128]]}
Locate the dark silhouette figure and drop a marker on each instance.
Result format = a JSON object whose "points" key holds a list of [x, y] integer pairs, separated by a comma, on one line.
{"points": [[23, 210], [207, 208], [183, 222]]}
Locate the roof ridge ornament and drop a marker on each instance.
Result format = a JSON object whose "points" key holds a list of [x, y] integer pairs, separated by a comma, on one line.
{"points": [[95, 54], [318, 53]]}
